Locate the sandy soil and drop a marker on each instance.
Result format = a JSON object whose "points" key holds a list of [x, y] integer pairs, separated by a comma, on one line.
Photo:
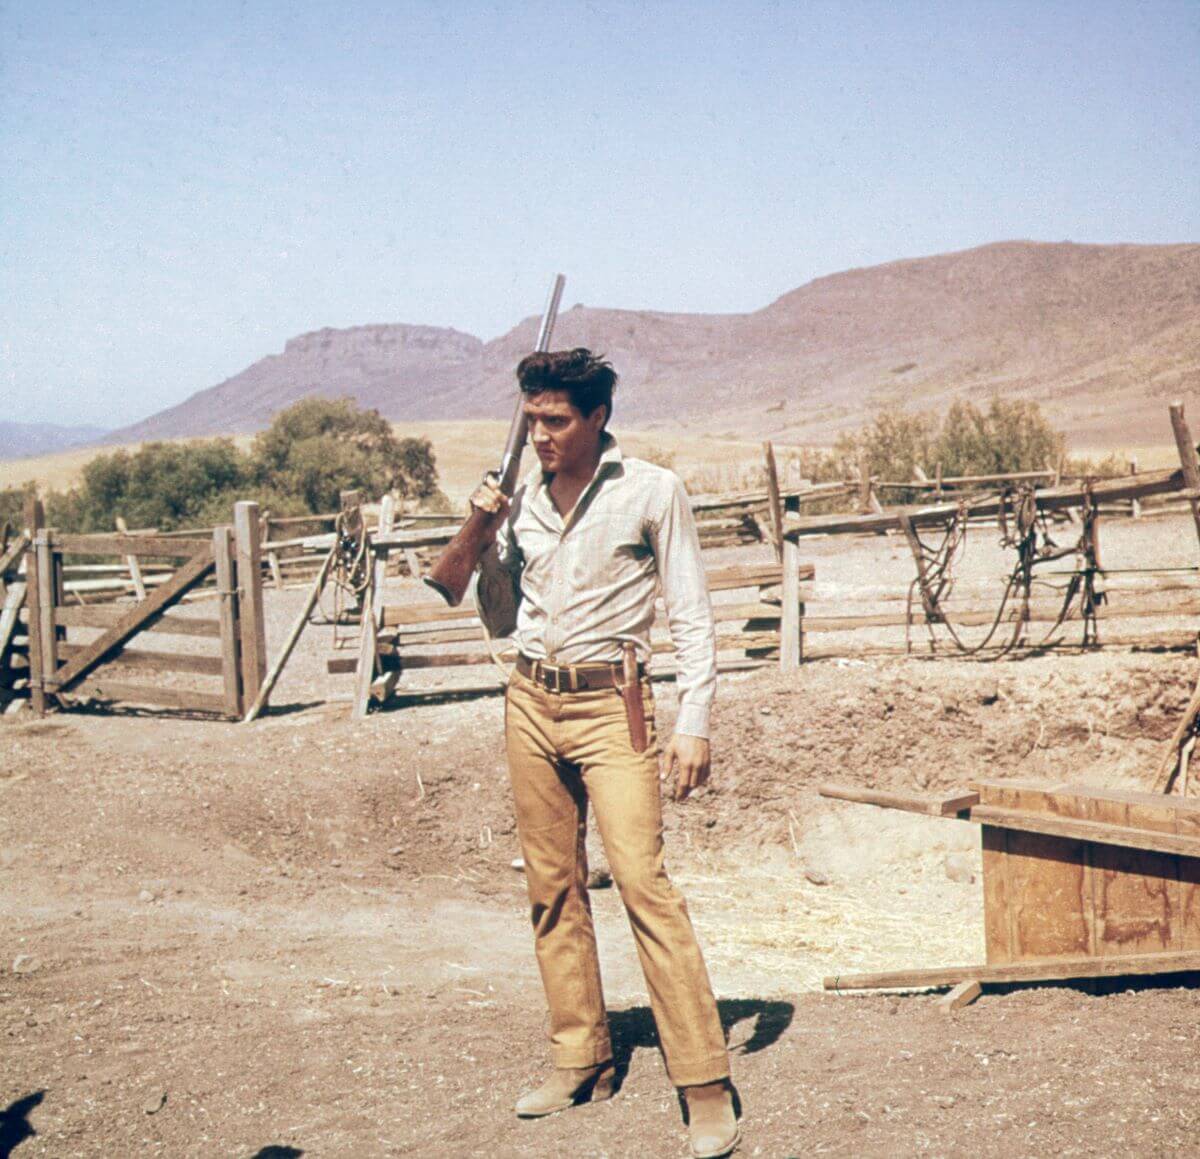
{"points": [[305, 937]]}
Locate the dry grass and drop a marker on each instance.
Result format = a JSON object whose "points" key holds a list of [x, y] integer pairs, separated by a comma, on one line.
{"points": [[909, 917], [709, 464], [464, 450]]}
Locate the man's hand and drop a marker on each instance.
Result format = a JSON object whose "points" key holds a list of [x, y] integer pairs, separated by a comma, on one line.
{"points": [[489, 498], [688, 757]]}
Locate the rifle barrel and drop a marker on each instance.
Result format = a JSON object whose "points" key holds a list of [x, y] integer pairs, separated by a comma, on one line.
{"points": [[518, 432]]}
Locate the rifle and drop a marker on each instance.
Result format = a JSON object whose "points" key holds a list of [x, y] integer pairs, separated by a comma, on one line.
{"points": [[452, 572]]}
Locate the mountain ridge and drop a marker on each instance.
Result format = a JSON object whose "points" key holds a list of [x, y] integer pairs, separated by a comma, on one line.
{"points": [[22, 440], [1091, 332]]}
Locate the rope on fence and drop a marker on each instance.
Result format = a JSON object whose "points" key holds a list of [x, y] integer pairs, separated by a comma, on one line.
{"points": [[1029, 535], [350, 572]]}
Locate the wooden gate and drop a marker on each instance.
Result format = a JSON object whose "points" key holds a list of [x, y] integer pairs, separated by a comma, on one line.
{"points": [[210, 663]]}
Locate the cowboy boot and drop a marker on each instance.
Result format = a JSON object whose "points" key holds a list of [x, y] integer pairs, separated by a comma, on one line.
{"points": [[712, 1126], [568, 1087]]}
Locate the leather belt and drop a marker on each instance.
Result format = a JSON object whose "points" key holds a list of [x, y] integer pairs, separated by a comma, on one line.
{"points": [[571, 677]]}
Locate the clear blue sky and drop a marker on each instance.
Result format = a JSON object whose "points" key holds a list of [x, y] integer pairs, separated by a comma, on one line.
{"points": [[184, 186]]}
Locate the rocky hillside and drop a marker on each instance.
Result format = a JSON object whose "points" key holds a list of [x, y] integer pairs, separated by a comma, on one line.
{"points": [[1100, 335]]}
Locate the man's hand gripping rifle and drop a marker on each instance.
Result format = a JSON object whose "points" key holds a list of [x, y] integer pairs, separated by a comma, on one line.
{"points": [[452, 572]]}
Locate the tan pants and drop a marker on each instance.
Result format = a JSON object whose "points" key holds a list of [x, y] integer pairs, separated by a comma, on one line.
{"points": [[564, 750]]}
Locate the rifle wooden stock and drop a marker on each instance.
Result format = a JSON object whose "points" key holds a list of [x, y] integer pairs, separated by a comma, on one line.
{"points": [[452, 572]]}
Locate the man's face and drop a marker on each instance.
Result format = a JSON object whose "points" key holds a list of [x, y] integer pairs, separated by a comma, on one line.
{"points": [[563, 438]]}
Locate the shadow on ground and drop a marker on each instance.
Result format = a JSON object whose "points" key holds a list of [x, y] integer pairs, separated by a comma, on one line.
{"points": [[15, 1126]]}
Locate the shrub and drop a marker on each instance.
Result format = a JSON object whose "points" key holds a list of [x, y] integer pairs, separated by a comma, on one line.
{"points": [[1011, 435], [12, 505], [319, 447], [164, 485]]}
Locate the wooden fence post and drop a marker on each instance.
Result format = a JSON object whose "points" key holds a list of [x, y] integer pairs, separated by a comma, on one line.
{"points": [[1186, 446], [49, 584], [131, 561], [227, 613], [1135, 504], [35, 521], [864, 483], [792, 618], [776, 505], [252, 625], [928, 603], [387, 520]]}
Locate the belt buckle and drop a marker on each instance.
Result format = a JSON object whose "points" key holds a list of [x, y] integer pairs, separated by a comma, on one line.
{"points": [[553, 668]]}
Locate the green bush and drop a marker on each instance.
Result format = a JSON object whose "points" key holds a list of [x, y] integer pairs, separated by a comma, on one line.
{"points": [[164, 485], [319, 447], [12, 505], [298, 466], [1010, 436]]}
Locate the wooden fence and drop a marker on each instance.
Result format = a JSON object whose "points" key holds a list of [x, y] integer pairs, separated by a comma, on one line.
{"points": [[64, 652], [758, 609]]}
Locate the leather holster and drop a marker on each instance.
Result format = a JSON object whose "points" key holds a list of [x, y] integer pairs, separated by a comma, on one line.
{"points": [[631, 693]]}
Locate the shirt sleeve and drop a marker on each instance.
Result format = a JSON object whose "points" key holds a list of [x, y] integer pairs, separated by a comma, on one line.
{"points": [[498, 588], [676, 546]]}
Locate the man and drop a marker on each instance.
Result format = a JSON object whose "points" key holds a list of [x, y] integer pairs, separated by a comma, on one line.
{"points": [[588, 541]]}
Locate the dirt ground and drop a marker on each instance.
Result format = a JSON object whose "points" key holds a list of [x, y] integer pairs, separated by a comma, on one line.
{"points": [[305, 937]]}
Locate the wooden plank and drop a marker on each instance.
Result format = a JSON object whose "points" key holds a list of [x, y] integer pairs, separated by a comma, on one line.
{"points": [[1050, 499], [1136, 901], [10, 615], [997, 926], [225, 570], [368, 657], [35, 518], [1186, 446], [1175, 962], [251, 618], [387, 521], [1049, 902], [101, 688], [155, 661], [92, 654], [1072, 829], [928, 602], [907, 802], [1154, 641], [402, 615], [1080, 801], [264, 693], [131, 562], [13, 554], [775, 503], [47, 585], [750, 576], [105, 615], [1136, 893], [789, 628], [1187, 918], [962, 995], [126, 545], [970, 618]]}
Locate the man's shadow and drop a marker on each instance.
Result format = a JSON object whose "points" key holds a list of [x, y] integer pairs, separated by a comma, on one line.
{"points": [[15, 1126], [635, 1028]]}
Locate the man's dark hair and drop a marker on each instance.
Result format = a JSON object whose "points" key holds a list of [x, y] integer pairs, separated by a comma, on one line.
{"points": [[585, 376]]}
